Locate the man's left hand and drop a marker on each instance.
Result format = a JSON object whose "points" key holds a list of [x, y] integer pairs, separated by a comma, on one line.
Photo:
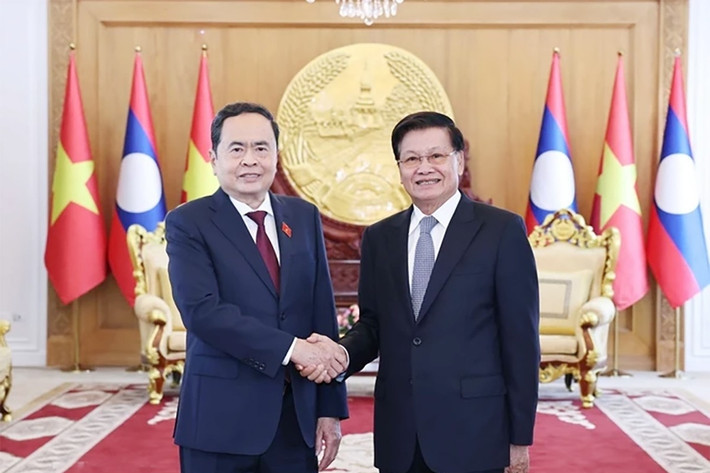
{"points": [[327, 440], [519, 459]]}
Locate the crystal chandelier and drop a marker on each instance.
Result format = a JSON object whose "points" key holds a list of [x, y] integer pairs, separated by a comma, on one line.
{"points": [[367, 10]]}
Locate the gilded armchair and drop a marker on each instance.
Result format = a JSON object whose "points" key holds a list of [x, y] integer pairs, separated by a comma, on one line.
{"points": [[5, 372], [576, 272], [163, 335]]}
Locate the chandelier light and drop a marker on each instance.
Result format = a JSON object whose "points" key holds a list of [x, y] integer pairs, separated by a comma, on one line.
{"points": [[367, 10]]}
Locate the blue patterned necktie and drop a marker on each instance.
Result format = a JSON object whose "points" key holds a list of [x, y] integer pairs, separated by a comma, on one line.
{"points": [[423, 263]]}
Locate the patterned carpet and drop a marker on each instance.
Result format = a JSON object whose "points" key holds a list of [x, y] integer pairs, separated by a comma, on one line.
{"points": [[110, 428]]}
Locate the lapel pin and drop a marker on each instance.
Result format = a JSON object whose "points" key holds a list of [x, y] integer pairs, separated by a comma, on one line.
{"points": [[286, 229]]}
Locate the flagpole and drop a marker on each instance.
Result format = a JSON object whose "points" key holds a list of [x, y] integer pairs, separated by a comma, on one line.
{"points": [[676, 373], [76, 367], [614, 371]]}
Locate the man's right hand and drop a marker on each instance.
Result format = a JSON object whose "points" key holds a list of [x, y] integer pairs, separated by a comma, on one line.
{"points": [[319, 358]]}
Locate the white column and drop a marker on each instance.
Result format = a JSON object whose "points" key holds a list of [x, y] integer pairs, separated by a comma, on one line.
{"points": [[23, 177], [697, 311]]}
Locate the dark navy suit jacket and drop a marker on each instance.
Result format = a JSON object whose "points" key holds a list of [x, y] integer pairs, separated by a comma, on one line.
{"points": [[239, 329], [463, 378]]}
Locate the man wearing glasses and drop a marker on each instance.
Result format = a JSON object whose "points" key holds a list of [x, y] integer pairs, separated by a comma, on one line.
{"points": [[449, 300]]}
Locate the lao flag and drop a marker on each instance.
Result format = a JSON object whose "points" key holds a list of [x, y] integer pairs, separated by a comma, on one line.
{"points": [[676, 244], [139, 197], [552, 184]]}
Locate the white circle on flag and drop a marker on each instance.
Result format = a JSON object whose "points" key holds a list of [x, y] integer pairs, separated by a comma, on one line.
{"points": [[139, 183], [552, 186], [676, 189]]}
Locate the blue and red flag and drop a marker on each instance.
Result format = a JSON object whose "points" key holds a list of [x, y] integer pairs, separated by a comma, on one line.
{"points": [[139, 196], [676, 248], [552, 183]]}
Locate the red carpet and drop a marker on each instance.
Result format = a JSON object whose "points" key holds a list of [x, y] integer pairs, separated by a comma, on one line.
{"points": [[109, 428]]}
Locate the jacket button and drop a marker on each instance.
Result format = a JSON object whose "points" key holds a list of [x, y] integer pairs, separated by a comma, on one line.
{"points": [[283, 315], [417, 341]]}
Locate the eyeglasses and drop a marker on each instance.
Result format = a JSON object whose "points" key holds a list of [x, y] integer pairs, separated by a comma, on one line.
{"points": [[411, 162]]}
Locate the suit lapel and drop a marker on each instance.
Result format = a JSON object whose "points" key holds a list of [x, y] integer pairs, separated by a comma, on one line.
{"points": [[231, 224], [282, 217], [459, 234], [397, 248]]}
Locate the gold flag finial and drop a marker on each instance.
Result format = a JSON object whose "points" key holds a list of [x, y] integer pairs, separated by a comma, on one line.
{"points": [[72, 46], [556, 50], [677, 52], [620, 52], [138, 49]]}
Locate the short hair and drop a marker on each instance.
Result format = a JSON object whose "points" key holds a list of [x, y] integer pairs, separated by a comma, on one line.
{"points": [[421, 121], [238, 108]]}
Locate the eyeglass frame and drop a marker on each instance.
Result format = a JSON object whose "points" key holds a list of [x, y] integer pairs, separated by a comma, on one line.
{"points": [[414, 161]]}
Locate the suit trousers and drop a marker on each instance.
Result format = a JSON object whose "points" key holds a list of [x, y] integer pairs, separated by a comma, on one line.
{"points": [[420, 466], [288, 453]]}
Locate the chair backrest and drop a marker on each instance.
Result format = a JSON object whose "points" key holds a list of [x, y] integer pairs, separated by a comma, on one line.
{"points": [[150, 266], [574, 265]]}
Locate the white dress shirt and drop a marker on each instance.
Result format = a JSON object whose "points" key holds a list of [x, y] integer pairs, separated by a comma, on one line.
{"points": [[269, 222], [443, 217]]}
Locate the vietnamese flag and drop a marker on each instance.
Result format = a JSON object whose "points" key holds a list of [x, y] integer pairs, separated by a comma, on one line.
{"points": [[75, 254], [616, 202], [199, 180]]}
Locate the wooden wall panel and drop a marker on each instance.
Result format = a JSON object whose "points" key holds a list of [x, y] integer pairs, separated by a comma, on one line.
{"points": [[493, 58]]}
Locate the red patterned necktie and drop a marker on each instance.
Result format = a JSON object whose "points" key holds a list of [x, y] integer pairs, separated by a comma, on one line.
{"points": [[264, 246]]}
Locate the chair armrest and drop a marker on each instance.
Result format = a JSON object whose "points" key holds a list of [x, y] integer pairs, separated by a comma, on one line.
{"points": [[597, 312], [152, 309], [4, 328]]}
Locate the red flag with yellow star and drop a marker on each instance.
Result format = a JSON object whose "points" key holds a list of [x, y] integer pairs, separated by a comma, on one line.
{"points": [[75, 254], [199, 180], [616, 202]]}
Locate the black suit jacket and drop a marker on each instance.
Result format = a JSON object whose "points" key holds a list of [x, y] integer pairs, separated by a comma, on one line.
{"points": [[239, 329], [463, 378]]}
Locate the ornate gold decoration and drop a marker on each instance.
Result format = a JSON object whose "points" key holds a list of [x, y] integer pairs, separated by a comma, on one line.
{"points": [[673, 31], [152, 310], [60, 344], [336, 117], [570, 227], [566, 225], [552, 371], [6, 383], [137, 236]]}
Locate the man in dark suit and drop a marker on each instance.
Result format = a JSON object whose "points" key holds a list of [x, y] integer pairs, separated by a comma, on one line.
{"points": [[449, 300], [250, 278]]}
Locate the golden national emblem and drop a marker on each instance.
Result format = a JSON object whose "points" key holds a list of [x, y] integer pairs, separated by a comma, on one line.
{"points": [[336, 117]]}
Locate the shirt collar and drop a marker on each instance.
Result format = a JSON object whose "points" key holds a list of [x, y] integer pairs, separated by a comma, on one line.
{"points": [[244, 209], [443, 214]]}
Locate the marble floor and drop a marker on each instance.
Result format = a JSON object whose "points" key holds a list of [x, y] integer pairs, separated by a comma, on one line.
{"points": [[32, 385]]}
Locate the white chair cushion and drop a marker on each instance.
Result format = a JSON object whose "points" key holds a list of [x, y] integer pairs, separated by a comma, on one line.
{"points": [[561, 296]]}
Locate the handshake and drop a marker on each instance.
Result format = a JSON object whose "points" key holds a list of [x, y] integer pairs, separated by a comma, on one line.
{"points": [[319, 358]]}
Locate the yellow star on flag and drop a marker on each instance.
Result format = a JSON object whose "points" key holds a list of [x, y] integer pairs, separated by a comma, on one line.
{"points": [[69, 184], [616, 186], [199, 179]]}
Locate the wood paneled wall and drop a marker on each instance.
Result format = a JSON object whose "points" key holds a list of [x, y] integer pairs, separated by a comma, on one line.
{"points": [[492, 57]]}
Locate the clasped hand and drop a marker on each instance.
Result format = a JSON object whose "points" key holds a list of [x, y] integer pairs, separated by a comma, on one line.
{"points": [[319, 358]]}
